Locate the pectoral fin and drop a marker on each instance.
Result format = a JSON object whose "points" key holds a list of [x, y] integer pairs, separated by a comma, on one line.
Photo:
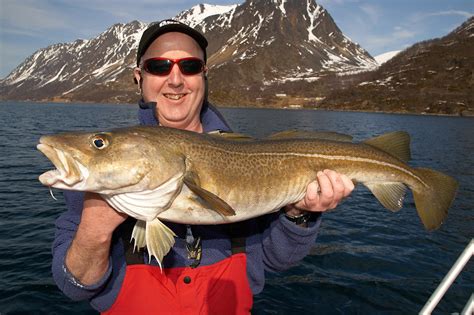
{"points": [[159, 239], [390, 195], [191, 180]]}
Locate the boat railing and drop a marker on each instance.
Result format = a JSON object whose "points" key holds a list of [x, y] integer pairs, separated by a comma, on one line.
{"points": [[447, 282]]}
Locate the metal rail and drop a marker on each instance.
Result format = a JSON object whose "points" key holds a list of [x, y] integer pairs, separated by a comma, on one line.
{"points": [[448, 280]]}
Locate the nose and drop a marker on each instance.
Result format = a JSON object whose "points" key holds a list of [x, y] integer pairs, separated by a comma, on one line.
{"points": [[175, 78]]}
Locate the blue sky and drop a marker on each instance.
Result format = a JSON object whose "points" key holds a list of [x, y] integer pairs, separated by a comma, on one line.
{"points": [[377, 25]]}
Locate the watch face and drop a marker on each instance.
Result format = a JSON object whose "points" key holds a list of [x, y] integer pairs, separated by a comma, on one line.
{"points": [[303, 218]]}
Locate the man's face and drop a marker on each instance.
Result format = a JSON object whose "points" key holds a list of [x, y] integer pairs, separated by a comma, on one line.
{"points": [[179, 97]]}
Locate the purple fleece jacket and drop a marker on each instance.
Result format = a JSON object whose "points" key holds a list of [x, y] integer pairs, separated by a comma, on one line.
{"points": [[272, 242]]}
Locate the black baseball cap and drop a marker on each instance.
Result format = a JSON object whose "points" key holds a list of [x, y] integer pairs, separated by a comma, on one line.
{"points": [[159, 28]]}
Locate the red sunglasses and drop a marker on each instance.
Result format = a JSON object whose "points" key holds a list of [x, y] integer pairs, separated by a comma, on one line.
{"points": [[163, 66]]}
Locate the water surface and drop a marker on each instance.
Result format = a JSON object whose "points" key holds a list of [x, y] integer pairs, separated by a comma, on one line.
{"points": [[366, 260]]}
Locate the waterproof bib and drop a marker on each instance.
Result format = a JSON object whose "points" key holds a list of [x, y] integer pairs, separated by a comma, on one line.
{"points": [[220, 288]]}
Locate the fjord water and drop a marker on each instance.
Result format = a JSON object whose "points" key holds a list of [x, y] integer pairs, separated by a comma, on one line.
{"points": [[366, 259]]}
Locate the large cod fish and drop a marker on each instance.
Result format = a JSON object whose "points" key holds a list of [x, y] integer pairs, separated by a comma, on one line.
{"points": [[158, 173]]}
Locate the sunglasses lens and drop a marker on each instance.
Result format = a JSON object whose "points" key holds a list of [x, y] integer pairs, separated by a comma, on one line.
{"points": [[163, 66], [191, 66], [158, 66]]}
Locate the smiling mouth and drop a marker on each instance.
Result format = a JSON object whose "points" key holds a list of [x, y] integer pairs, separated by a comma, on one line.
{"points": [[174, 97]]}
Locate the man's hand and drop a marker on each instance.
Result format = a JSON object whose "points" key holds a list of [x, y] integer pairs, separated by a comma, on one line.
{"points": [[88, 257], [322, 194], [98, 217]]}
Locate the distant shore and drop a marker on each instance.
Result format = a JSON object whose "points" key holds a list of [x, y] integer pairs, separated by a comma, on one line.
{"points": [[466, 113]]}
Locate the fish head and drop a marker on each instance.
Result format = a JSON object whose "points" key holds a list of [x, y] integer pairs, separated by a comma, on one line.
{"points": [[107, 162]]}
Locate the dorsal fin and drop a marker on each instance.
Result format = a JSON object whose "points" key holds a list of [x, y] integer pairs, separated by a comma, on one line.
{"points": [[301, 134], [396, 143]]}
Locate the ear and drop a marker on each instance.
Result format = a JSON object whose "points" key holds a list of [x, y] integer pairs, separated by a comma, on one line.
{"points": [[137, 74]]}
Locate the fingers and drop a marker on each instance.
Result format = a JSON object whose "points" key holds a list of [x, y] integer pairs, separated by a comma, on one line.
{"points": [[337, 186], [312, 193], [312, 198], [97, 215], [326, 192], [348, 185]]}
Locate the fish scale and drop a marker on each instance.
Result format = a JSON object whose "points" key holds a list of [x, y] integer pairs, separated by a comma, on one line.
{"points": [[159, 173]]}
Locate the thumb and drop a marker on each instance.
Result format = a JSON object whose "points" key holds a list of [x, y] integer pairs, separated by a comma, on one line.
{"points": [[312, 191]]}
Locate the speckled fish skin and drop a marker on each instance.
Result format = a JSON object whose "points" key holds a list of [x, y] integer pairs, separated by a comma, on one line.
{"points": [[253, 177]]}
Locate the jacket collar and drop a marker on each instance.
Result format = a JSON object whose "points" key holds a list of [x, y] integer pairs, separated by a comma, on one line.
{"points": [[211, 119]]}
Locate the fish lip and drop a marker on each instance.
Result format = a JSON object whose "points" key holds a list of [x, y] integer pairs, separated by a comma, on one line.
{"points": [[68, 170], [51, 177]]}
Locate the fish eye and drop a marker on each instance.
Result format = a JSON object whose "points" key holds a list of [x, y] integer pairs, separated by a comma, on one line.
{"points": [[99, 142]]}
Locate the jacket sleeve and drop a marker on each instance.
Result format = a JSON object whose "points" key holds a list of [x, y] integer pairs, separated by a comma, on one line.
{"points": [[284, 243], [66, 227]]}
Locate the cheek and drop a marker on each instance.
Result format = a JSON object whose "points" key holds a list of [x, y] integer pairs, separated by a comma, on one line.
{"points": [[151, 87], [120, 175], [197, 85]]}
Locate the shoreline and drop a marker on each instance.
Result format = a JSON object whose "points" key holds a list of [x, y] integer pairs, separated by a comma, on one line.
{"points": [[64, 102]]}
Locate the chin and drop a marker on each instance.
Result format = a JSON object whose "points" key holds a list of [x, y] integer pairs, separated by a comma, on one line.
{"points": [[175, 118]]}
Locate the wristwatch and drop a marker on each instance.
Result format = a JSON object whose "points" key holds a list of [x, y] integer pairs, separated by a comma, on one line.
{"points": [[299, 219]]}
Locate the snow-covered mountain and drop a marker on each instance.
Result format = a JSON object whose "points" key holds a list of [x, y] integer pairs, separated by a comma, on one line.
{"points": [[90, 67], [383, 58], [255, 47]]}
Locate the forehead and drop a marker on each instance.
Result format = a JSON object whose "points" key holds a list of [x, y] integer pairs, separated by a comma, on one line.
{"points": [[174, 44]]}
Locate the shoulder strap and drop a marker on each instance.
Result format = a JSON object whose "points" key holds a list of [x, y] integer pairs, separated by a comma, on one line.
{"points": [[125, 233], [237, 237]]}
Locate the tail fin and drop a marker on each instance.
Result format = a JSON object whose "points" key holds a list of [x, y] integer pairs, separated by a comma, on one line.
{"points": [[432, 203]]}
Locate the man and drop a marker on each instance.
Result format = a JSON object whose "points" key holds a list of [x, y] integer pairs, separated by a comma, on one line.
{"points": [[210, 269]]}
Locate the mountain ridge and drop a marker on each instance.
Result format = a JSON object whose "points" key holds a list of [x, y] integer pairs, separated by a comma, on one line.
{"points": [[266, 53], [245, 40], [431, 77]]}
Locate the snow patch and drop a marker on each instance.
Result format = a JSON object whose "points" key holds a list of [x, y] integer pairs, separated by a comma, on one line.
{"points": [[382, 58], [197, 14], [314, 21], [307, 74], [281, 6], [54, 78]]}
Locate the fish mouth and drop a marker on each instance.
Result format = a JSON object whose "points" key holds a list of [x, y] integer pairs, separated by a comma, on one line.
{"points": [[68, 173]]}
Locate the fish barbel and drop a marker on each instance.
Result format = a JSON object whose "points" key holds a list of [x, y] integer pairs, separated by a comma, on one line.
{"points": [[159, 173]]}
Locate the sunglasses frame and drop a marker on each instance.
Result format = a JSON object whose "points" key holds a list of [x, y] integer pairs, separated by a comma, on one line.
{"points": [[173, 62]]}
